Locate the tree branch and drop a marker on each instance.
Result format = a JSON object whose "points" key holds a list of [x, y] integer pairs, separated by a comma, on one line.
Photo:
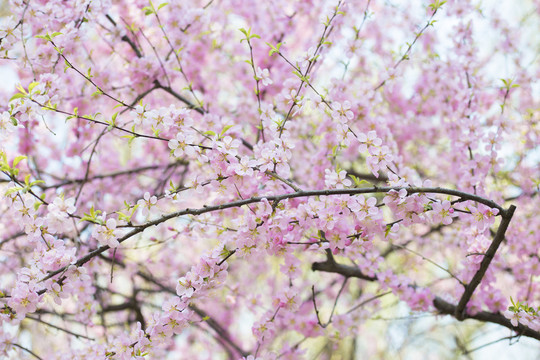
{"points": [[495, 318], [238, 203], [488, 257]]}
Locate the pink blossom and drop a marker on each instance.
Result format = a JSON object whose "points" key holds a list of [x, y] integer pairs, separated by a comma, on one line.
{"points": [[379, 158], [107, 234], [514, 316], [335, 179], [291, 267], [342, 112], [368, 141], [245, 166], [228, 146], [264, 76], [7, 127], [443, 212], [146, 203], [139, 114], [483, 215], [23, 300], [181, 144]]}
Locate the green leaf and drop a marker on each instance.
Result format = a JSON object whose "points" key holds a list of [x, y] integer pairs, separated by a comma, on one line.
{"points": [[12, 190], [37, 182], [129, 137], [148, 10], [248, 34], [21, 89], [122, 216], [387, 231], [68, 65], [44, 37], [91, 216], [335, 150], [32, 86], [227, 127], [436, 5], [18, 159], [225, 252], [17, 96], [360, 183], [274, 49]]}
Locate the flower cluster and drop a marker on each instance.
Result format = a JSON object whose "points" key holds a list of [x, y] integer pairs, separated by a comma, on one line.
{"points": [[168, 191]]}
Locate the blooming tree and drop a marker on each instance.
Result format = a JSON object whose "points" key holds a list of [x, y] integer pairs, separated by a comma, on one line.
{"points": [[258, 179]]}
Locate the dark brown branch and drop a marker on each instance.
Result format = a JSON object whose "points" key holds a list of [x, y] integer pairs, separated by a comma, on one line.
{"points": [[9, 238], [276, 198], [347, 271], [126, 38], [135, 134], [488, 257], [190, 105], [495, 318], [441, 305], [222, 333], [131, 305], [333, 307], [27, 350], [180, 97], [113, 175], [139, 98]]}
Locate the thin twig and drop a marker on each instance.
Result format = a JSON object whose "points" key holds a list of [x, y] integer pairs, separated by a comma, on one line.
{"points": [[27, 350]]}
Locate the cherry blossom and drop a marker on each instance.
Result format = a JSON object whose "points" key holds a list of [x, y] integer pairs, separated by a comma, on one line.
{"points": [[442, 212], [369, 141], [335, 179], [181, 144], [266, 179], [342, 112], [147, 203], [264, 76], [107, 234]]}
